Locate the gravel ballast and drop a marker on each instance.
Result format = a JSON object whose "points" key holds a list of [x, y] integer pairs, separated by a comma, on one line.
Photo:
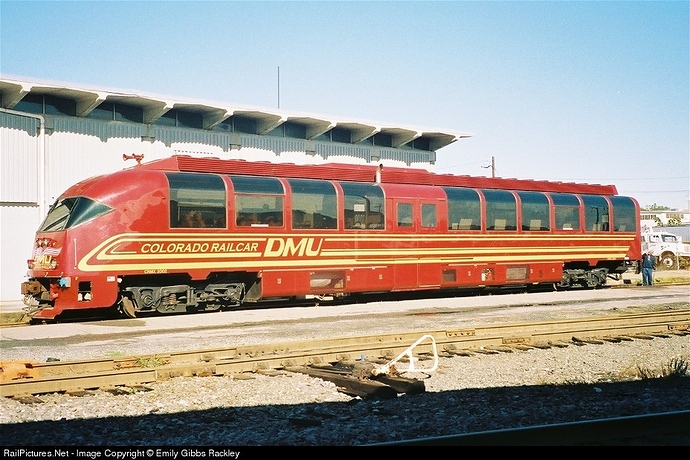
{"points": [[465, 394]]}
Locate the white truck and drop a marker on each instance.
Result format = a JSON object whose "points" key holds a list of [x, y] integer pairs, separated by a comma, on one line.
{"points": [[668, 248]]}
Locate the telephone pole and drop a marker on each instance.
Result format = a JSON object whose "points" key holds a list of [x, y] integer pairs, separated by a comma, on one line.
{"points": [[492, 166]]}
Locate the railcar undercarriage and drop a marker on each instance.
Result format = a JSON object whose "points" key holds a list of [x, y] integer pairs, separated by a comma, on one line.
{"points": [[594, 278], [181, 298], [582, 275], [179, 294]]}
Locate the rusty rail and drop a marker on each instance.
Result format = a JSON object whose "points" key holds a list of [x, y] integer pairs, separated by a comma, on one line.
{"points": [[379, 350]]}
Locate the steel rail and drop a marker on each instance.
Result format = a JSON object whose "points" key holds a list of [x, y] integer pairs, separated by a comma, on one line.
{"points": [[60, 376], [671, 428]]}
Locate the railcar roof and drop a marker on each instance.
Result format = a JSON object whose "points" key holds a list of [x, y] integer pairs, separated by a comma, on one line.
{"points": [[367, 173]]}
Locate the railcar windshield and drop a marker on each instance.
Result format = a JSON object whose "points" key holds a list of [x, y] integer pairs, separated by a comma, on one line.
{"points": [[70, 212]]}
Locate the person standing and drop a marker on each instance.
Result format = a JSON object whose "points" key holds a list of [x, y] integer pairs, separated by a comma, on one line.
{"points": [[648, 266]]}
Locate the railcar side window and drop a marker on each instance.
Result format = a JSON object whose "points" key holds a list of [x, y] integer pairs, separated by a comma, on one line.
{"points": [[535, 211], [596, 213], [566, 211], [501, 210], [404, 214], [314, 204], [363, 205], [428, 215], [197, 200], [464, 209], [258, 201], [625, 218]]}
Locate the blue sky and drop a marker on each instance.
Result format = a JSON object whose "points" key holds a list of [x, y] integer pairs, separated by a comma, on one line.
{"points": [[572, 91]]}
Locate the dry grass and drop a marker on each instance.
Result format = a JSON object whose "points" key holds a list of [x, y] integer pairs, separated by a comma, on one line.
{"points": [[151, 361], [675, 368]]}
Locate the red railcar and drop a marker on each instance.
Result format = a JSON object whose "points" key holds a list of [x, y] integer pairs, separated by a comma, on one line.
{"points": [[197, 234]]}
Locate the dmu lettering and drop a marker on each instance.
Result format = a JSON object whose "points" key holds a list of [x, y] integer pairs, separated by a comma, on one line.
{"points": [[282, 247]]}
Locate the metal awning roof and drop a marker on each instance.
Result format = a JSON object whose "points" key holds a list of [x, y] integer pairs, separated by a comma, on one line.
{"points": [[87, 99]]}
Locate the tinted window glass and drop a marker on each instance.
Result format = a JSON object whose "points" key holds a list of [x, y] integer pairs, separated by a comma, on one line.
{"points": [[190, 120], [314, 204], [251, 184], [363, 205], [596, 213], [624, 215], [70, 212], [32, 103], [535, 211], [104, 111], [60, 106], [566, 211], [259, 201], [428, 215], [404, 215], [129, 113], [464, 209], [244, 125], [197, 200], [500, 210]]}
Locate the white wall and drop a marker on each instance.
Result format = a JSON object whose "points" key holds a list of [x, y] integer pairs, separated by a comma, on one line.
{"points": [[18, 226]]}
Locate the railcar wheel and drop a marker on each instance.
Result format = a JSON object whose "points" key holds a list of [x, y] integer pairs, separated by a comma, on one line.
{"points": [[127, 307]]}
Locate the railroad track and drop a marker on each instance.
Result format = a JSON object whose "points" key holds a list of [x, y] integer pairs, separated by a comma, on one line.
{"points": [[375, 355], [668, 429]]}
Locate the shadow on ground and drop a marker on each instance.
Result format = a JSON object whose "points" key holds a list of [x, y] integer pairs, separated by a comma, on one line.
{"points": [[362, 421]]}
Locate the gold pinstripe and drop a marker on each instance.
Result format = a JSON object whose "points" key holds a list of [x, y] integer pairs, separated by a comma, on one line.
{"points": [[357, 256]]}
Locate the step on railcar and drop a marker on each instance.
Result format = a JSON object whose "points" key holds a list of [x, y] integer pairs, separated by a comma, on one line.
{"points": [[186, 234]]}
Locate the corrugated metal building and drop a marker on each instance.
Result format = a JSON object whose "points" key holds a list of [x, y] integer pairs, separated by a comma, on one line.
{"points": [[54, 135]]}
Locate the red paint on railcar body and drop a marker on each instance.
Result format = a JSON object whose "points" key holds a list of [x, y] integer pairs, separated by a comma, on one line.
{"points": [[122, 246]]}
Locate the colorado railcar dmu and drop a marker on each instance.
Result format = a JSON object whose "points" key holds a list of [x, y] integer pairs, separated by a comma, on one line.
{"points": [[186, 234]]}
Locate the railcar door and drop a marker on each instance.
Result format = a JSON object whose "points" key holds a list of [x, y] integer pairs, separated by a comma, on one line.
{"points": [[406, 258], [415, 225], [430, 248]]}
